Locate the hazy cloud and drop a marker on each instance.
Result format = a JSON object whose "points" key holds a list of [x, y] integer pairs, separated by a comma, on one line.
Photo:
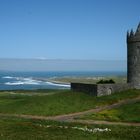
{"points": [[62, 65]]}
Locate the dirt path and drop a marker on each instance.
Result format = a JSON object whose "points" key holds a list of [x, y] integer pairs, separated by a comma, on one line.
{"points": [[78, 114], [105, 122], [70, 117]]}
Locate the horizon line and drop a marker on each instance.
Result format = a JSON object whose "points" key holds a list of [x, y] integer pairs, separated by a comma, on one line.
{"points": [[66, 59]]}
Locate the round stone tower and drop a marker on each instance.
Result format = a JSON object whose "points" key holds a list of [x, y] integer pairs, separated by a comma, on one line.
{"points": [[133, 58]]}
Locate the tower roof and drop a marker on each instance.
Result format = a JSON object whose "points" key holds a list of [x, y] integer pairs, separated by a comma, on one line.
{"points": [[138, 28], [134, 36]]}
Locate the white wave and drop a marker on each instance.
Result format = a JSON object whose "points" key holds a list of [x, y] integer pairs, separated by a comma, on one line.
{"points": [[56, 84], [14, 83], [31, 81], [7, 77], [12, 77], [22, 78], [23, 81], [17, 78]]}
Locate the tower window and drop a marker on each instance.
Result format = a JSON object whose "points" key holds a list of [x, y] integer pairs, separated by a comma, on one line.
{"points": [[135, 60]]}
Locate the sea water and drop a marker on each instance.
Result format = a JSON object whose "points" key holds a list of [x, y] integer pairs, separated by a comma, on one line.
{"points": [[35, 80]]}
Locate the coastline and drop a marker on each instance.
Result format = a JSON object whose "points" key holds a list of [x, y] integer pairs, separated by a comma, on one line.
{"points": [[51, 80]]}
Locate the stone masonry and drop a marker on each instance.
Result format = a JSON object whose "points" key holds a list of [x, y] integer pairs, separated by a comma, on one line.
{"points": [[133, 58], [99, 89]]}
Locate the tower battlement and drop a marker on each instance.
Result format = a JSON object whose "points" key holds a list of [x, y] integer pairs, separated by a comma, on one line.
{"points": [[133, 36]]}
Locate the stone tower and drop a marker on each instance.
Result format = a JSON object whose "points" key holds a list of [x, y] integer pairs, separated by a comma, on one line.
{"points": [[133, 58]]}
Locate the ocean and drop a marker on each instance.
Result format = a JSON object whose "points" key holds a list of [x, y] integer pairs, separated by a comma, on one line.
{"points": [[10, 80]]}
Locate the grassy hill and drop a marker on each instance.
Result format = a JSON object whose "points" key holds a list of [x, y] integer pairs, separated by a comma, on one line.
{"points": [[124, 113], [58, 102], [23, 129]]}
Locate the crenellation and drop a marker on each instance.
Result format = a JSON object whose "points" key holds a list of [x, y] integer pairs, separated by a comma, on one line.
{"points": [[138, 28], [132, 33], [134, 36]]}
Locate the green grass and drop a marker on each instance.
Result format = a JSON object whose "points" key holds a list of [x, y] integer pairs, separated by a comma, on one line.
{"points": [[90, 80], [54, 102], [58, 102], [124, 113], [22, 129]]}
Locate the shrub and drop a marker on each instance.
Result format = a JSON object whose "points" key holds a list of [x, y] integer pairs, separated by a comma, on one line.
{"points": [[106, 82]]}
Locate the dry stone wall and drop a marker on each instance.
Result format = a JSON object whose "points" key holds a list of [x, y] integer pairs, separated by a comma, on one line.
{"points": [[99, 89]]}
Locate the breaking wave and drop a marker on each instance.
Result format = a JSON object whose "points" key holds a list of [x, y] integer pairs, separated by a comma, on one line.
{"points": [[22, 81], [7, 77], [57, 84], [15, 81]]}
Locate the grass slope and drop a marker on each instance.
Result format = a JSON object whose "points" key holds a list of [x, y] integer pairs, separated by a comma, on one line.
{"points": [[58, 102], [22, 129], [124, 113]]}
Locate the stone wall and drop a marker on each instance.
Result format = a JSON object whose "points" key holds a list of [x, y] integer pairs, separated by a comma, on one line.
{"points": [[86, 88], [107, 89], [99, 89]]}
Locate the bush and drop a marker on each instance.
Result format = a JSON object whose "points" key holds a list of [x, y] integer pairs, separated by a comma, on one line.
{"points": [[106, 82]]}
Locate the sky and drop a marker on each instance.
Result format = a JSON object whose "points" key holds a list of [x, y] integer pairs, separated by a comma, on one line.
{"points": [[62, 65], [66, 29]]}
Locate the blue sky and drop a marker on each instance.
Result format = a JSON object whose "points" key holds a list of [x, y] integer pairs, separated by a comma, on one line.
{"points": [[66, 29]]}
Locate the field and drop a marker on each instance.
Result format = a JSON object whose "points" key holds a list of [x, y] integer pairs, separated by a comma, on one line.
{"points": [[124, 113], [24, 115], [90, 80], [55, 102], [22, 129]]}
